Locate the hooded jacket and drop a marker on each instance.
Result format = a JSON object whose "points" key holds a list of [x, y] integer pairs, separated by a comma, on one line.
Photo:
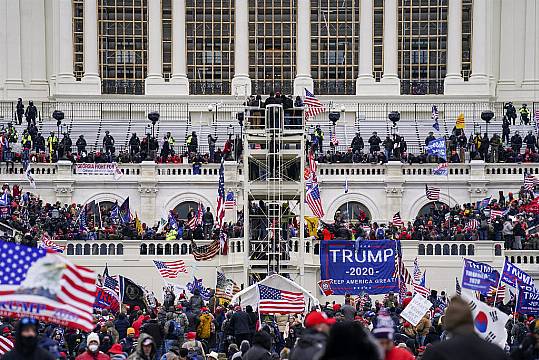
{"points": [[310, 345], [139, 353], [26, 351], [261, 347]]}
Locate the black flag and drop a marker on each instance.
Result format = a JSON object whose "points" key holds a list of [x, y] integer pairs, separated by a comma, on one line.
{"points": [[131, 294]]}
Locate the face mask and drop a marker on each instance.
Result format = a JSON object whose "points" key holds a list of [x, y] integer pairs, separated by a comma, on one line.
{"points": [[93, 348], [28, 341]]}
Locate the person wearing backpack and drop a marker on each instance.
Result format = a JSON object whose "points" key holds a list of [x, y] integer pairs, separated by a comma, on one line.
{"points": [[195, 350], [173, 332], [519, 331]]}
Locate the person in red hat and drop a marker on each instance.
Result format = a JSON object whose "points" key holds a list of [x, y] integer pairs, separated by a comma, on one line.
{"points": [[193, 346], [407, 299], [312, 341], [116, 352]]}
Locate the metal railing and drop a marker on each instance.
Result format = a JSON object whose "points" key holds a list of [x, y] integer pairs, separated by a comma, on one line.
{"points": [[422, 87]]}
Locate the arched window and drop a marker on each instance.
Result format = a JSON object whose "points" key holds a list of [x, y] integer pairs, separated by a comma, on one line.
{"points": [[176, 249], [78, 249], [182, 210], [95, 249], [429, 249], [462, 249], [421, 249], [159, 249], [307, 247], [471, 250], [454, 249], [168, 249], [446, 249], [103, 249], [437, 249], [238, 246], [86, 249], [317, 249], [184, 249], [70, 249], [151, 249], [119, 249], [428, 208], [112, 249], [353, 211]]}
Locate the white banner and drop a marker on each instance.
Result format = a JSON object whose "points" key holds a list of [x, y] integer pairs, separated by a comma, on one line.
{"points": [[416, 309], [98, 169], [489, 322]]}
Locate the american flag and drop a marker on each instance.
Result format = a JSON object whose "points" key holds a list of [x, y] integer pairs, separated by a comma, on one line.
{"points": [[206, 252], [496, 213], [312, 166], [334, 139], [536, 116], [170, 269], [225, 288], [432, 193], [500, 294], [362, 300], [458, 289], [441, 169], [313, 199], [47, 243], [417, 272], [421, 290], [63, 292], [221, 196], [314, 106], [111, 285], [530, 182], [280, 301], [200, 213], [472, 224], [5, 345], [397, 220], [402, 289], [401, 270], [230, 201]]}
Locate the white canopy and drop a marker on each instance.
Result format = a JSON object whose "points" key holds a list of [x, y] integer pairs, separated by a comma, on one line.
{"points": [[250, 295]]}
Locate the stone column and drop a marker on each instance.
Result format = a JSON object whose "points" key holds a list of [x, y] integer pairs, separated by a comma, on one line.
{"points": [[479, 76], [179, 81], [366, 25], [531, 49], [508, 55], [241, 84], [454, 48], [91, 64], [65, 80], [155, 83], [303, 48], [148, 188], [13, 82], [38, 53], [390, 78]]}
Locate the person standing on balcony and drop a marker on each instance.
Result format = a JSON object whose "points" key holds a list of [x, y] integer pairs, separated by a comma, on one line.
{"points": [[496, 147], [319, 135], [134, 145], [81, 144], [374, 142], [207, 220], [31, 113], [483, 147], [388, 147], [357, 143], [108, 143], [211, 146], [506, 130], [516, 143], [524, 114], [510, 112], [52, 145], [192, 142], [20, 111]]}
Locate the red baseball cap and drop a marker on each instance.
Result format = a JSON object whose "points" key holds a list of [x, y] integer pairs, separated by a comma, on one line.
{"points": [[116, 349], [315, 318]]}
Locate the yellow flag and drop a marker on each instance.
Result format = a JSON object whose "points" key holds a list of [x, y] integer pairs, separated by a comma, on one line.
{"points": [[312, 225], [138, 225], [459, 124]]}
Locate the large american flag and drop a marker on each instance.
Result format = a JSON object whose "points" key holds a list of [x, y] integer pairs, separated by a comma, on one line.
{"points": [[432, 193], [472, 224], [206, 252], [312, 196], [530, 181], [170, 269], [111, 285], [500, 294], [225, 288], [496, 213], [230, 201], [397, 220], [221, 196], [47, 243], [5, 345], [280, 301], [421, 290], [314, 106], [55, 290]]}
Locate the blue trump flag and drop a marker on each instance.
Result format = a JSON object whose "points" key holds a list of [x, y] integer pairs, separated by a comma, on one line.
{"points": [[437, 147], [478, 276], [527, 302], [513, 276], [368, 268]]}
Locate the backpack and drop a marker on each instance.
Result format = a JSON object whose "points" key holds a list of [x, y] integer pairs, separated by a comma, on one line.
{"points": [[195, 352], [174, 329]]}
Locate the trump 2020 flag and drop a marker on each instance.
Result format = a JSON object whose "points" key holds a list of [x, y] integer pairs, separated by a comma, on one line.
{"points": [[42, 284], [489, 322], [436, 147]]}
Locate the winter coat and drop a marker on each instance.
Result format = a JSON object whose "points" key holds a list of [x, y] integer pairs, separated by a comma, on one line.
{"points": [[310, 345], [240, 322], [153, 329], [423, 326], [196, 302], [89, 356], [257, 353], [139, 353], [121, 326], [464, 347], [204, 327]]}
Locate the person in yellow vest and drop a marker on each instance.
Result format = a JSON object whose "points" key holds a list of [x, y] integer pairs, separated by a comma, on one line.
{"points": [[52, 144], [524, 114], [26, 140], [172, 234]]}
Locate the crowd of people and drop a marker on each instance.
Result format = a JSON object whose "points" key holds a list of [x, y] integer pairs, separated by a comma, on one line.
{"points": [[191, 328], [506, 218]]}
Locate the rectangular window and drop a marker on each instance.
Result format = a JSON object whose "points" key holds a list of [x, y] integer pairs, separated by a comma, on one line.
{"points": [[467, 21], [78, 38], [122, 36], [422, 38], [210, 62], [334, 46]]}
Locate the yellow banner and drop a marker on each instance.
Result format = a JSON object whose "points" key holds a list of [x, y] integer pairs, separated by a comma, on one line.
{"points": [[312, 225], [460, 123]]}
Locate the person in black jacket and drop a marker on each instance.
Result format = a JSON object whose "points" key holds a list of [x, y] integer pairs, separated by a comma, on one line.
{"points": [[529, 348], [152, 328], [312, 341], [261, 347], [374, 142], [240, 325], [464, 344], [121, 325], [26, 340], [134, 145], [31, 113], [357, 143], [20, 110], [81, 144]]}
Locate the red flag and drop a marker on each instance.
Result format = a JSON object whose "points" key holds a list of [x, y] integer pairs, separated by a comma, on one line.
{"points": [[325, 287]]}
